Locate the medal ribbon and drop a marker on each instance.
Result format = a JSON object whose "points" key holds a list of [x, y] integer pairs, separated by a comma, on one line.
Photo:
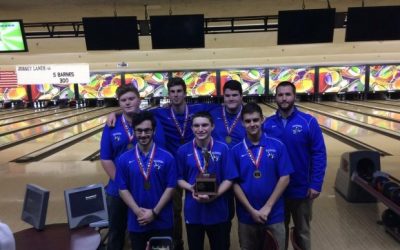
{"points": [[181, 131], [230, 129], [257, 161], [202, 169], [146, 174], [126, 128]]}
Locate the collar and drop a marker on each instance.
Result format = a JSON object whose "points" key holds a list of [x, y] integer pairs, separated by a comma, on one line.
{"points": [[295, 110], [263, 141]]}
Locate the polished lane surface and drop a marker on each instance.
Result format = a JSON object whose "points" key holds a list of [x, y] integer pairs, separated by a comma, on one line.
{"points": [[380, 123]]}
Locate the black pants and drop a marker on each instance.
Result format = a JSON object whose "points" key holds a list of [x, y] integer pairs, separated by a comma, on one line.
{"points": [[139, 240], [118, 219], [218, 235]]}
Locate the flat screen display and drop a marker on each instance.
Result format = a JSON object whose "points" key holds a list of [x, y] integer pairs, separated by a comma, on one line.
{"points": [[12, 36], [384, 78], [373, 23], [178, 31], [111, 33], [342, 79], [303, 79], [252, 80], [199, 83], [306, 26], [86, 202]]}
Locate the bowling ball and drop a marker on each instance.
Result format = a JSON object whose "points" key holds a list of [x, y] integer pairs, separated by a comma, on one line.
{"points": [[395, 196], [390, 218], [388, 187], [378, 181]]}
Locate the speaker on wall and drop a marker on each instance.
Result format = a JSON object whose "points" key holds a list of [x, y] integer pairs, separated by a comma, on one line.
{"points": [[306, 26], [111, 33], [373, 23]]}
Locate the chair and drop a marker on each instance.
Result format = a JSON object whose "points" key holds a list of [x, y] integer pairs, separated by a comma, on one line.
{"points": [[293, 239], [270, 242]]}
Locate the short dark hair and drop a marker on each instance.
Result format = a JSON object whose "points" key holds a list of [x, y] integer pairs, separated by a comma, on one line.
{"points": [[250, 108], [203, 114], [140, 117], [123, 89], [233, 85], [286, 83], [176, 81]]}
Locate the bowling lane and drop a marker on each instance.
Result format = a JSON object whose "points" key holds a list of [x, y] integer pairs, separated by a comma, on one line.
{"points": [[12, 153], [386, 102], [22, 112], [53, 116], [33, 114], [10, 138], [366, 110], [78, 151], [376, 105], [380, 123]]}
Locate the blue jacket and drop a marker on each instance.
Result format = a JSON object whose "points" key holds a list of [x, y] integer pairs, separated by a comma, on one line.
{"points": [[305, 144]]}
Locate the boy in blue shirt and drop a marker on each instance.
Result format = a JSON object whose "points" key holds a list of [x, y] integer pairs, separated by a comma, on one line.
{"points": [[303, 138], [114, 142], [205, 213], [264, 168], [146, 177]]}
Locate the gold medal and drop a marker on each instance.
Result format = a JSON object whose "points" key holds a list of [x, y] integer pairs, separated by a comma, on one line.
{"points": [[257, 174], [182, 141], [147, 185], [130, 145], [228, 139]]}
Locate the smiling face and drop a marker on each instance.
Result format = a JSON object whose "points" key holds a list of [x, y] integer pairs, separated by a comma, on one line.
{"points": [[202, 128], [252, 123], [144, 133], [129, 103], [232, 100], [177, 95]]}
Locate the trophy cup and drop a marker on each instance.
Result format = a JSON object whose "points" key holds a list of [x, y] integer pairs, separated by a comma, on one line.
{"points": [[206, 183]]}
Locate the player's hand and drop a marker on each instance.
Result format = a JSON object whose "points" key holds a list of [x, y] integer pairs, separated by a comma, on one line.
{"points": [[146, 218], [111, 119], [312, 194]]}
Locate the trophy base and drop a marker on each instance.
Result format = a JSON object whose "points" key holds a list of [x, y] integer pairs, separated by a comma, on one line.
{"points": [[206, 184]]}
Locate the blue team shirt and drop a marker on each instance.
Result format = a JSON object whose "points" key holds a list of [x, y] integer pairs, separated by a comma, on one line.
{"points": [[274, 164], [162, 176], [220, 132], [114, 142], [217, 210], [172, 136], [305, 144]]}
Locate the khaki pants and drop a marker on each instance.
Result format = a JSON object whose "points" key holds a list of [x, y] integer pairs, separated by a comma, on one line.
{"points": [[300, 210], [251, 237]]}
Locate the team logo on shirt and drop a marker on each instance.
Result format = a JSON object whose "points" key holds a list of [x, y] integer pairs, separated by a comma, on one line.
{"points": [[297, 129], [215, 156], [117, 136], [158, 164], [271, 153]]}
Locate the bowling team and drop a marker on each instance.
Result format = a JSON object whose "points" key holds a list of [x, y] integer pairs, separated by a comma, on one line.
{"points": [[225, 158]]}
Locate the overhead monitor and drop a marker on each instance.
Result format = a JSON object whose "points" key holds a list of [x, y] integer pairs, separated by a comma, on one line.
{"points": [[85, 205], [12, 36], [306, 26], [178, 31], [373, 23], [34, 210], [111, 33]]}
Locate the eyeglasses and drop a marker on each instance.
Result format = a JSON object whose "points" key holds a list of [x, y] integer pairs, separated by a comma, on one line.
{"points": [[145, 131]]}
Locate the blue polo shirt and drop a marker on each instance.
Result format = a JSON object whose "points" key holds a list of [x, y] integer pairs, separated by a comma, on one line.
{"points": [[217, 210], [114, 142], [305, 144], [274, 163], [162, 176], [172, 136], [220, 132]]}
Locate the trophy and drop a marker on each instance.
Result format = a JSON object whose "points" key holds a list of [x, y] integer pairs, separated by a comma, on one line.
{"points": [[206, 183]]}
